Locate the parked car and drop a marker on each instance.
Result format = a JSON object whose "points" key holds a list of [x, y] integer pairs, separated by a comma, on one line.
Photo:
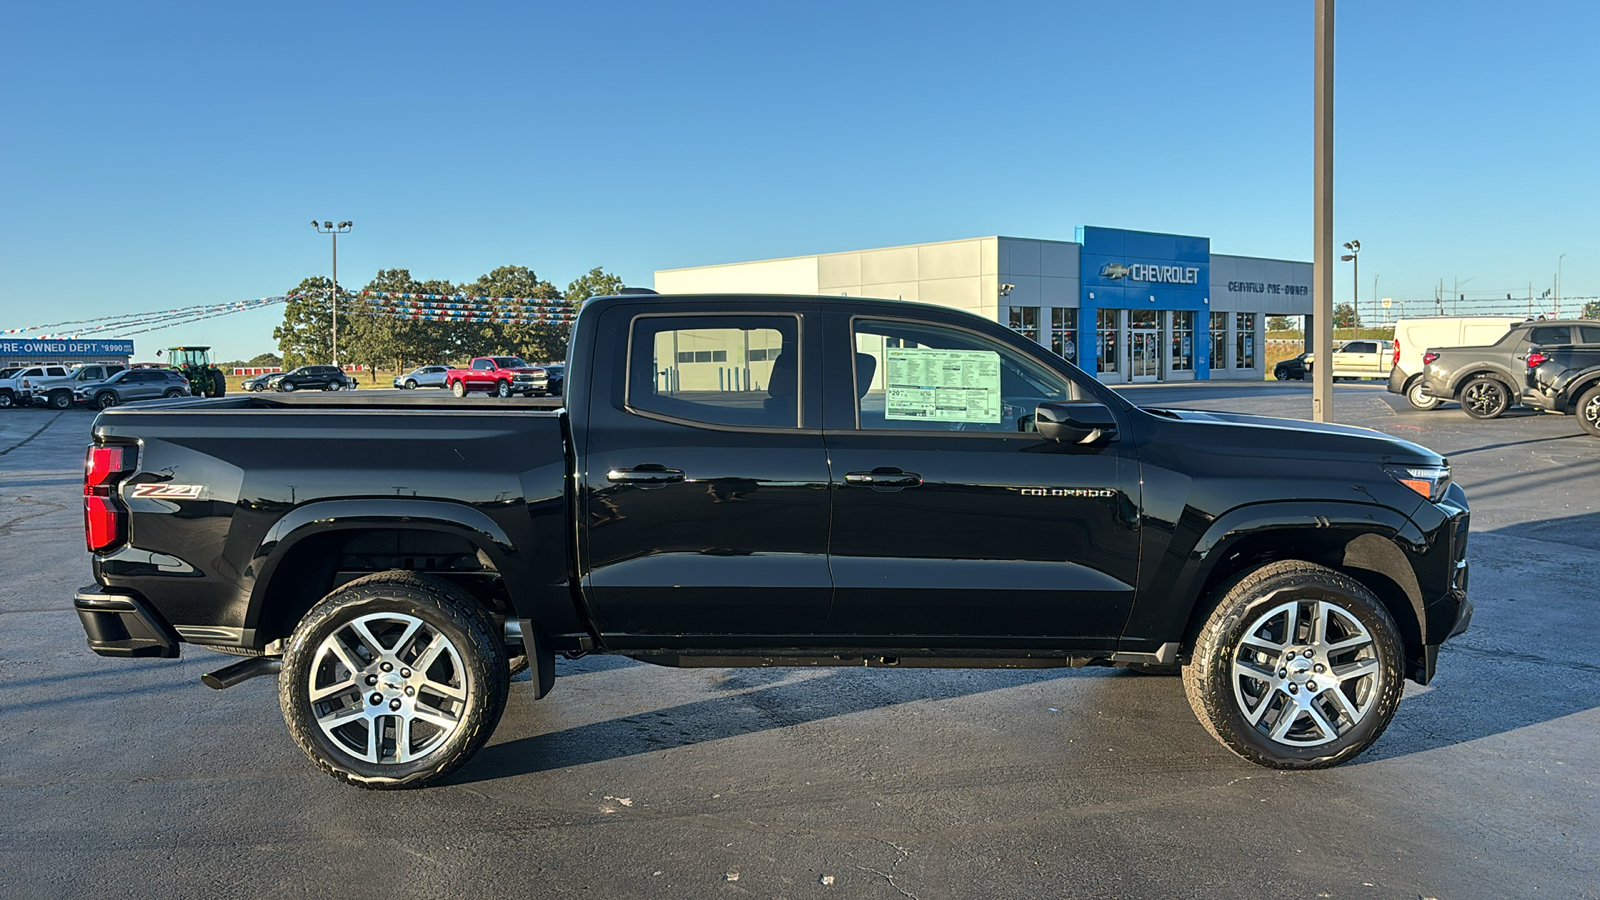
{"points": [[314, 378], [1489, 380], [1359, 358], [133, 384], [267, 381], [555, 378], [422, 376], [927, 489], [50, 384], [1292, 369], [498, 375], [1565, 379], [8, 396], [1413, 337]]}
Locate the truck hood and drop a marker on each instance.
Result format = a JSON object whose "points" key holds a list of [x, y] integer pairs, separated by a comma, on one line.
{"points": [[1291, 435]]}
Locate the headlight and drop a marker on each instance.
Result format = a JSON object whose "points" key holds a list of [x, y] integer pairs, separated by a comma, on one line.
{"points": [[1429, 481]]}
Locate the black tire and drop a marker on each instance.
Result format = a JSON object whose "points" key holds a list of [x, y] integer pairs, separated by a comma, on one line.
{"points": [[391, 602], [172, 393], [105, 400], [1287, 733], [1280, 374], [1484, 397], [1417, 395], [286, 387], [459, 388], [59, 400], [411, 384], [257, 388], [331, 386], [7, 400], [1588, 411], [502, 389]]}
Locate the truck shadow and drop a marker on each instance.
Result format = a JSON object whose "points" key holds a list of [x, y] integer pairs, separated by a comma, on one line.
{"points": [[782, 705]]}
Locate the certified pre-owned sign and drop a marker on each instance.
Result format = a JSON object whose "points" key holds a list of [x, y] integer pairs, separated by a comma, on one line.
{"points": [[1150, 273]]}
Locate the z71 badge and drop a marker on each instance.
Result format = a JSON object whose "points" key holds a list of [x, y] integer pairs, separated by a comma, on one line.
{"points": [[168, 491]]}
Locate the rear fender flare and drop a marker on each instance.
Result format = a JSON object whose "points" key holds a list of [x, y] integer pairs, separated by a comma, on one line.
{"points": [[1463, 378], [320, 518]]}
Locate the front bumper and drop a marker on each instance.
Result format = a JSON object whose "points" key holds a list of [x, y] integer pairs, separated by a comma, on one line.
{"points": [[123, 625]]}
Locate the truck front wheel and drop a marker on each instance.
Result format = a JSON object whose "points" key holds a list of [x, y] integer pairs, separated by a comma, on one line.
{"points": [[1298, 667], [503, 389], [394, 680]]}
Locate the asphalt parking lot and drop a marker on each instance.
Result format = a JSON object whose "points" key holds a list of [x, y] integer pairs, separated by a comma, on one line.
{"points": [[129, 778]]}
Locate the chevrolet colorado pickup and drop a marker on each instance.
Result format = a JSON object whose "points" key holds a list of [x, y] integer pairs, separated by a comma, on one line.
{"points": [[1487, 380], [1566, 379], [771, 481]]}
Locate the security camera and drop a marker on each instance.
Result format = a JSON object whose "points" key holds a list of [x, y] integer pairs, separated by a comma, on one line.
{"points": [[1006, 289]]}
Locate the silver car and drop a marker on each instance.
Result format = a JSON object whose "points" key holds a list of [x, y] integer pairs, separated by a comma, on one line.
{"points": [[422, 376], [133, 384]]}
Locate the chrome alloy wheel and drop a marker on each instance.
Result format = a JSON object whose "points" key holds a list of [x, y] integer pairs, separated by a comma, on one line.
{"points": [[388, 688], [1305, 673]]}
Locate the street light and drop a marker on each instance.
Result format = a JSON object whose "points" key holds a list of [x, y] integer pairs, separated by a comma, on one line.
{"points": [[1355, 284], [1558, 283], [335, 230]]}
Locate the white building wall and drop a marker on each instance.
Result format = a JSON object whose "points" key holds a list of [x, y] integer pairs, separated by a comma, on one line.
{"points": [[796, 275]]}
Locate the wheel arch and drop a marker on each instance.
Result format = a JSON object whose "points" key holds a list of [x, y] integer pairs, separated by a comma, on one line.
{"points": [[1462, 379], [1366, 545], [304, 556]]}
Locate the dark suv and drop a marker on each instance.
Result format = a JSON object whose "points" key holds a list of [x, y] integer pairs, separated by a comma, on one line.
{"points": [[133, 384], [306, 378]]}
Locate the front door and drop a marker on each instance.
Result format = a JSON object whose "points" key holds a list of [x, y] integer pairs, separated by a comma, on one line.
{"points": [[1145, 352], [704, 485], [954, 523]]}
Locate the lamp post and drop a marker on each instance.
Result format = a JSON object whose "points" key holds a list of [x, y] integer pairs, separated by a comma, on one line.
{"points": [[1355, 281], [1558, 284], [334, 230]]}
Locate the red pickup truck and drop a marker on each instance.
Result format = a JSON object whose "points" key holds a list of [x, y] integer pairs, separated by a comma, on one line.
{"points": [[498, 375]]}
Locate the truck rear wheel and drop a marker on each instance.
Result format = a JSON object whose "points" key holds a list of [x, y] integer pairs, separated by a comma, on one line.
{"points": [[1417, 395], [1298, 667], [459, 388], [1485, 397], [394, 680], [1588, 410]]}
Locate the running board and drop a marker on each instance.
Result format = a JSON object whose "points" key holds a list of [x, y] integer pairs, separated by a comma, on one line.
{"points": [[243, 670]]}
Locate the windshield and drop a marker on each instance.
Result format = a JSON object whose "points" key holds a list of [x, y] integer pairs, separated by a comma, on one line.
{"points": [[509, 362]]}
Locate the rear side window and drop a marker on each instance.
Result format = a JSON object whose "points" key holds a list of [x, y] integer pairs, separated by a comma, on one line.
{"points": [[1589, 334], [55, 372], [717, 370], [1550, 334]]}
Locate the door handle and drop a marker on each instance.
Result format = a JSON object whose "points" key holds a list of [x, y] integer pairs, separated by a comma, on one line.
{"points": [[884, 477], [649, 473]]}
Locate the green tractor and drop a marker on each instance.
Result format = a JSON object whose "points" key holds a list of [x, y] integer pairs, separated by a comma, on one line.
{"points": [[205, 380]]}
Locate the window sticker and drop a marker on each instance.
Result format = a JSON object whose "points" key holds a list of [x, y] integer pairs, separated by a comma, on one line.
{"points": [[942, 385]]}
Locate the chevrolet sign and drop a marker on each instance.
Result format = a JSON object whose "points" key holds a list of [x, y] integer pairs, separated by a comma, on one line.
{"points": [[1149, 273]]}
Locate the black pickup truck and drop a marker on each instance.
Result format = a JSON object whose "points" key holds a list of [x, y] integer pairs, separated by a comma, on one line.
{"points": [[771, 481], [1566, 379], [1487, 381]]}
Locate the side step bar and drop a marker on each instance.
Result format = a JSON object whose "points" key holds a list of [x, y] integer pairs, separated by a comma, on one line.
{"points": [[243, 670]]}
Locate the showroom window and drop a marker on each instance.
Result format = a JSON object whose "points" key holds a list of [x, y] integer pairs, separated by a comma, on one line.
{"points": [[1025, 321], [1064, 333], [1219, 340], [1182, 341], [1107, 347], [1244, 344]]}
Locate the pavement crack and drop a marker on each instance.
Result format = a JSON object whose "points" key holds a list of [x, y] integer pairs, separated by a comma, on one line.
{"points": [[24, 442]]}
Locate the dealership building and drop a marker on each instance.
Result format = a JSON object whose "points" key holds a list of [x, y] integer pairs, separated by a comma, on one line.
{"points": [[70, 352], [1127, 306]]}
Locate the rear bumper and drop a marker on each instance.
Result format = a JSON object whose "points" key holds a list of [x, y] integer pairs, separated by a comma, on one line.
{"points": [[123, 625], [1397, 381]]}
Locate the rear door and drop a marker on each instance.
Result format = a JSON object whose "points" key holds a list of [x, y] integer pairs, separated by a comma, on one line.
{"points": [[703, 505], [953, 522]]}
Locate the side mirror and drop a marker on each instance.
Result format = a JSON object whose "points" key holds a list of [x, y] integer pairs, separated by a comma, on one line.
{"points": [[1076, 422]]}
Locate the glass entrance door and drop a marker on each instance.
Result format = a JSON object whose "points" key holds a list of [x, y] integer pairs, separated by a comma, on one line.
{"points": [[1144, 350]]}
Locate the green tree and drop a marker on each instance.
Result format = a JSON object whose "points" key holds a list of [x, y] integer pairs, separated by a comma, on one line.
{"points": [[1280, 323], [1591, 310], [1345, 316], [265, 360], [306, 335], [537, 342], [597, 282]]}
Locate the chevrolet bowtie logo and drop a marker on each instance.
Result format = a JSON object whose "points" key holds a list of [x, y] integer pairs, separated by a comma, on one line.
{"points": [[1114, 271]]}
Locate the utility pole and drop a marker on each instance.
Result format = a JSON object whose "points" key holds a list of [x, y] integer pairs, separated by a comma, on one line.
{"points": [[1322, 217], [334, 230], [1558, 284]]}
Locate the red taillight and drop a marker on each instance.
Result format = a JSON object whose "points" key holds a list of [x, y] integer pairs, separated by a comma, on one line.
{"points": [[1396, 361], [105, 522], [1537, 359], [1429, 357]]}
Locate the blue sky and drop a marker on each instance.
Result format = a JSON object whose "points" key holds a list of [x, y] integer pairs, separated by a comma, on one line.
{"points": [[167, 155]]}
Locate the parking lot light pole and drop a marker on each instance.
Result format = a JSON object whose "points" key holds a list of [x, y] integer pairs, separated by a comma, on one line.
{"points": [[335, 230], [1355, 280], [1322, 216]]}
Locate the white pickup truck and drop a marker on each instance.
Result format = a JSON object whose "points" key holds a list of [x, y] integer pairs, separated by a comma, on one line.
{"points": [[1360, 358], [51, 385]]}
